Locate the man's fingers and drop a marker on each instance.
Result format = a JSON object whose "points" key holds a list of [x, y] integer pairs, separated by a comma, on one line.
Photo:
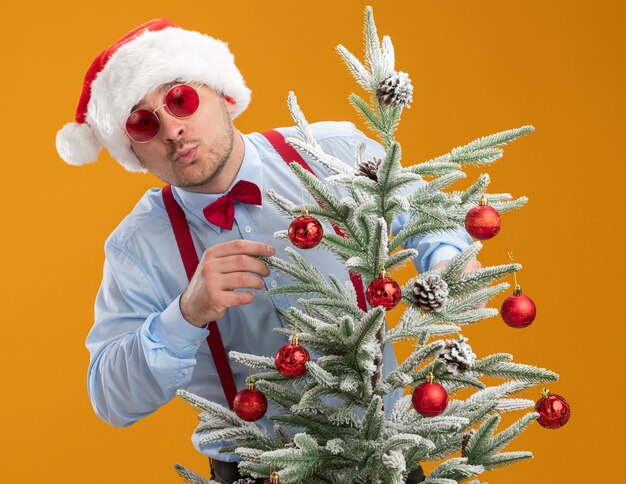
{"points": [[241, 263], [240, 280], [247, 247], [236, 298]]}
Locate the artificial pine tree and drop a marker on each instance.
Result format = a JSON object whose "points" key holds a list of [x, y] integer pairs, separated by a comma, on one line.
{"points": [[357, 441]]}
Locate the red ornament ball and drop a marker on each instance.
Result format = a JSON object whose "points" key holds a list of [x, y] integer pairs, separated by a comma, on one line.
{"points": [[483, 222], [430, 399], [305, 232], [384, 292], [250, 405], [554, 411], [518, 311], [291, 360]]}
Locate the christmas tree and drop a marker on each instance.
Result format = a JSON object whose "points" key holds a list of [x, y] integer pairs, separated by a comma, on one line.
{"points": [[328, 380]]}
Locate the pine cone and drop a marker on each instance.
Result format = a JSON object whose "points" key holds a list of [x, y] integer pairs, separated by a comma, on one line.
{"points": [[396, 90], [457, 355], [466, 438], [430, 293], [369, 168]]}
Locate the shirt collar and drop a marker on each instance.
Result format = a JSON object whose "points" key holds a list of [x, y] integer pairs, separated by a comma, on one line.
{"points": [[251, 169]]}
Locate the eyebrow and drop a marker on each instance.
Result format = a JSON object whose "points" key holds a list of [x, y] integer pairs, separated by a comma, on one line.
{"points": [[160, 90]]}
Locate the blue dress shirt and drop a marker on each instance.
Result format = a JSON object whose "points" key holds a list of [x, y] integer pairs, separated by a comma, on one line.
{"points": [[141, 347]]}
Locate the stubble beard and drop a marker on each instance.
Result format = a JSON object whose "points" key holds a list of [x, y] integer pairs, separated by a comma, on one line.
{"points": [[217, 156]]}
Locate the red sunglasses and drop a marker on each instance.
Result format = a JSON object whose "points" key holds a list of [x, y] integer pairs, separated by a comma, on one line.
{"points": [[181, 101]]}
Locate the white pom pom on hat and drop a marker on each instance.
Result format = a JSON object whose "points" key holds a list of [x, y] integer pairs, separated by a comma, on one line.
{"points": [[77, 144], [154, 53]]}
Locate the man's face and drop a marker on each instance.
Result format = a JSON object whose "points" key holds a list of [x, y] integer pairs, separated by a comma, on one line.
{"points": [[188, 153]]}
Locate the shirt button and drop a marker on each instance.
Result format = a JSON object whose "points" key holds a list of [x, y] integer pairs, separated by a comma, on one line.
{"points": [[248, 229], [186, 371], [273, 283]]}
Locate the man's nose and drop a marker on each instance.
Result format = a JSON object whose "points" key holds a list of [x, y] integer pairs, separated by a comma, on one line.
{"points": [[172, 128]]}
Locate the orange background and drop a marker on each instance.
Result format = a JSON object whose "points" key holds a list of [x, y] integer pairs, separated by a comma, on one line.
{"points": [[477, 67]]}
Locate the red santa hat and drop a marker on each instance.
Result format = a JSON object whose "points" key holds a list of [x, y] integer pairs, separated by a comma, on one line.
{"points": [[154, 53]]}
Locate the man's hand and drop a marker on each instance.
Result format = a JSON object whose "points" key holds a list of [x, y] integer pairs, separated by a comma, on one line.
{"points": [[471, 265], [222, 269]]}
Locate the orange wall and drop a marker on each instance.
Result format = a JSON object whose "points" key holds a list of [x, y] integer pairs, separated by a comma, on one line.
{"points": [[478, 67]]}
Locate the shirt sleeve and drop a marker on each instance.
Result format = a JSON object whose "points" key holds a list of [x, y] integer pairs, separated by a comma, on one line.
{"points": [[140, 352], [432, 248]]}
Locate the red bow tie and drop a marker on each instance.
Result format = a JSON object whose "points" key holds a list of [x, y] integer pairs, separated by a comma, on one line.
{"points": [[221, 212]]}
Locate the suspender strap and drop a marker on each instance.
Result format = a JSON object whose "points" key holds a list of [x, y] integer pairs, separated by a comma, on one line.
{"points": [[289, 154], [181, 232], [190, 261]]}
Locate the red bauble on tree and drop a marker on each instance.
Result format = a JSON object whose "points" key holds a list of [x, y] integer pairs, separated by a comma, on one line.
{"points": [[305, 232], [250, 404], [384, 292], [518, 311], [483, 222], [291, 359], [553, 410], [430, 399]]}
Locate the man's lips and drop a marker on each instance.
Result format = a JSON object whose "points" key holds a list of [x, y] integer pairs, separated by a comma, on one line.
{"points": [[186, 156]]}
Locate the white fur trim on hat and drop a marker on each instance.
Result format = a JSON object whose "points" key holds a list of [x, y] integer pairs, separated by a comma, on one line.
{"points": [[152, 59], [77, 144]]}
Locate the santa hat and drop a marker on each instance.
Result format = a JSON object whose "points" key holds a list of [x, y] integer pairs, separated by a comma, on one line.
{"points": [[154, 53]]}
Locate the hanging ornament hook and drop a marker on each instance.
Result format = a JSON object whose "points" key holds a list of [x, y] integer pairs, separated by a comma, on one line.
{"points": [[250, 380], [305, 210], [518, 290], [274, 478], [293, 339]]}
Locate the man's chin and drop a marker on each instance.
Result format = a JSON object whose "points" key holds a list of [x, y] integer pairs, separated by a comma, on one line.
{"points": [[186, 179]]}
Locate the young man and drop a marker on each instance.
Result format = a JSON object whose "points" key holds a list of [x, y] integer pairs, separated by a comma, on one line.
{"points": [[162, 100]]}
